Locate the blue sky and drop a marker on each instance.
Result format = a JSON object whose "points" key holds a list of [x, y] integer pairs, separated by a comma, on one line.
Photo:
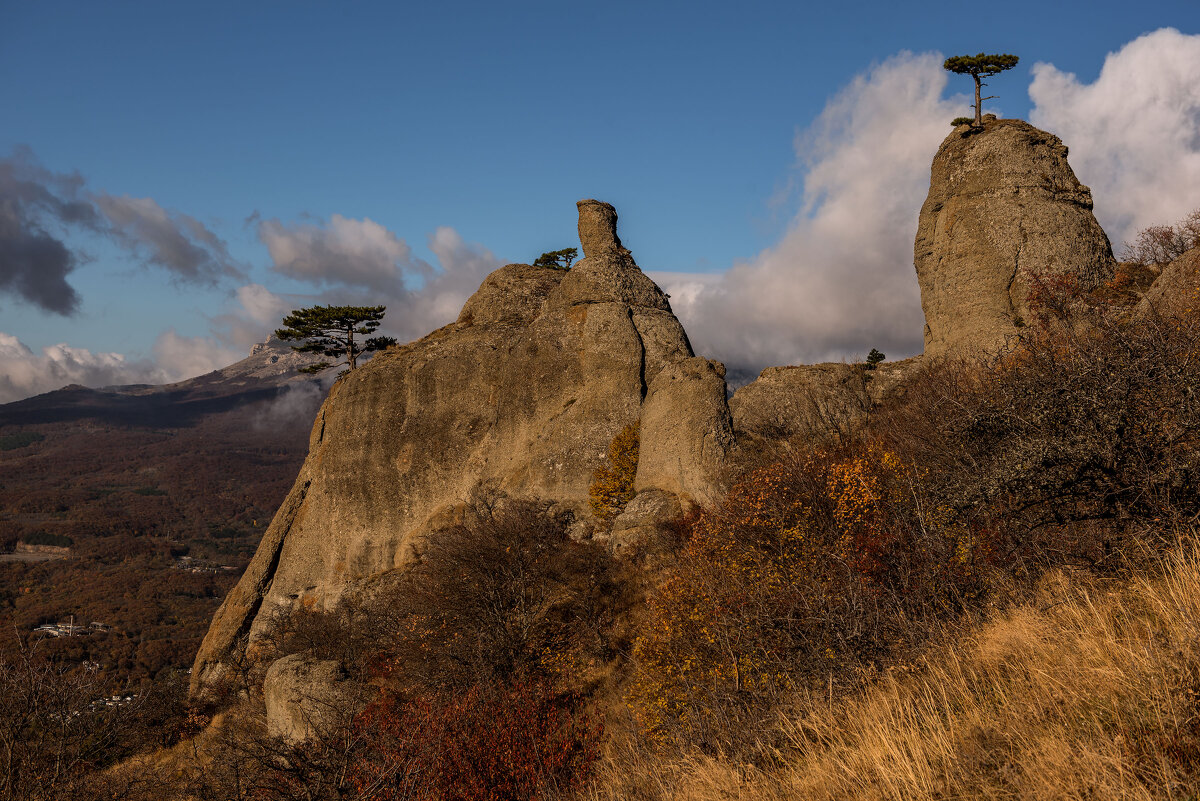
{"points": [[717, 129]]}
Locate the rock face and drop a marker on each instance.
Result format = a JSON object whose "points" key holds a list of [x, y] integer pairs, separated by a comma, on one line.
{"points": [[1003, 203], [521, 396], [523, 393]]}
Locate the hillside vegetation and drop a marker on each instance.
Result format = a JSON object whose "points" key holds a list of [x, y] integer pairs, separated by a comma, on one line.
{"points": [[1089, 689], [131, 500]]}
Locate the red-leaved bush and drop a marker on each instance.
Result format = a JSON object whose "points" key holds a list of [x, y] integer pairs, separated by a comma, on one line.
{"points": [[511, 743]]}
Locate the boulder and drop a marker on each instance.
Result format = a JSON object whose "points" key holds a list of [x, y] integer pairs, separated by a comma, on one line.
{"points": [[1003, 205], [1178, 283], [307, 697], [812, 402], [521, 396], [642, 519]]}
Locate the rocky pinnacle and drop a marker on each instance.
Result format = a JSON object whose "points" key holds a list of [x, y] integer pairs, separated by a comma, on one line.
{"points": [[597, 227]]}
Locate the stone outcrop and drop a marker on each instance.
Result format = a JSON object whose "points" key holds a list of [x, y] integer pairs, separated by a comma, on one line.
{"points": [[1003, 204], [521, 396], [598, 228], [1179, 282], [686, 431], [305, 696], [643, 517], [812, 401]]}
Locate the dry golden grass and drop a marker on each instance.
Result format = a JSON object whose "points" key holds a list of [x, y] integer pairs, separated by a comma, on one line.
{"points": [[1089, 691]]}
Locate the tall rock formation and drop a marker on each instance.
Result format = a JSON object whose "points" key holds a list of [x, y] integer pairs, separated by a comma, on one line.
{"points": [[521, 395], [1003, 203]]}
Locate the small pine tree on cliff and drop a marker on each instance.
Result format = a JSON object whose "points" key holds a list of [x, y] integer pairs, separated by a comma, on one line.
{"points": [[331, 331], [980, 66], [558, 259]]}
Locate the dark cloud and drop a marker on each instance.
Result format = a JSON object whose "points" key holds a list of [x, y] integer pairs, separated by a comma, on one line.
{"points": [[34, 262], [175, 241], [38, 207]]}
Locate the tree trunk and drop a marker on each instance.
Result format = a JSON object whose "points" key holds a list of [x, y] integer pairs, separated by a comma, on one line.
{"points": [[978, 103]]}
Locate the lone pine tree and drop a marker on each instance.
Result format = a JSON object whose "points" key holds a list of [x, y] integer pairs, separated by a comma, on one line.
{"points": [[983, 65], [558, 259], [331, 331]]}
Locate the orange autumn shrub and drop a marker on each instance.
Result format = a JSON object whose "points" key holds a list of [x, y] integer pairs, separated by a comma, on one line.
{"points": [[612, 482], [809, 567]]}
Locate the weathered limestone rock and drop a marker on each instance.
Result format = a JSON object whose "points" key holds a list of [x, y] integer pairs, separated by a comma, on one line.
{"points": [[306, 697], [686, 431], [597, 227], [812, 401], [643, 517], [512, 295], [1179, 282], [520, 396], [1003, 202]]}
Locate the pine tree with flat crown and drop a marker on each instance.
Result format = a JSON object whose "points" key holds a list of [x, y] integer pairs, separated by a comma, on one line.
{"points": [[983, 65], [331, 331]]}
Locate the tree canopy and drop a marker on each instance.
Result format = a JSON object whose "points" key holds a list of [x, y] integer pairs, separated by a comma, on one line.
{"points": [[558, 259], [982, 65], [331, 331]]}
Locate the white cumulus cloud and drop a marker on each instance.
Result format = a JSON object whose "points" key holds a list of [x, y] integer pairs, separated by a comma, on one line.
{"points": [[1134, 132], [362, 263], [262, 305], [462, 268], [342, 252], [841, 280], [24, 373], [181, 357]]}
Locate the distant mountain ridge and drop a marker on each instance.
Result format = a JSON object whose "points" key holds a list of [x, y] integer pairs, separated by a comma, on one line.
{"points": [[217, 452], [271, 369]]}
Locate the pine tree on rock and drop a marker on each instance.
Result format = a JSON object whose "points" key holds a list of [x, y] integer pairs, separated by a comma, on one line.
{"points": [[557, 259], [331, 331], [983, 65]]}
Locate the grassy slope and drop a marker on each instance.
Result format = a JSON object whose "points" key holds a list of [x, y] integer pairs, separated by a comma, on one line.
{"points": [[1090, 691]]}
